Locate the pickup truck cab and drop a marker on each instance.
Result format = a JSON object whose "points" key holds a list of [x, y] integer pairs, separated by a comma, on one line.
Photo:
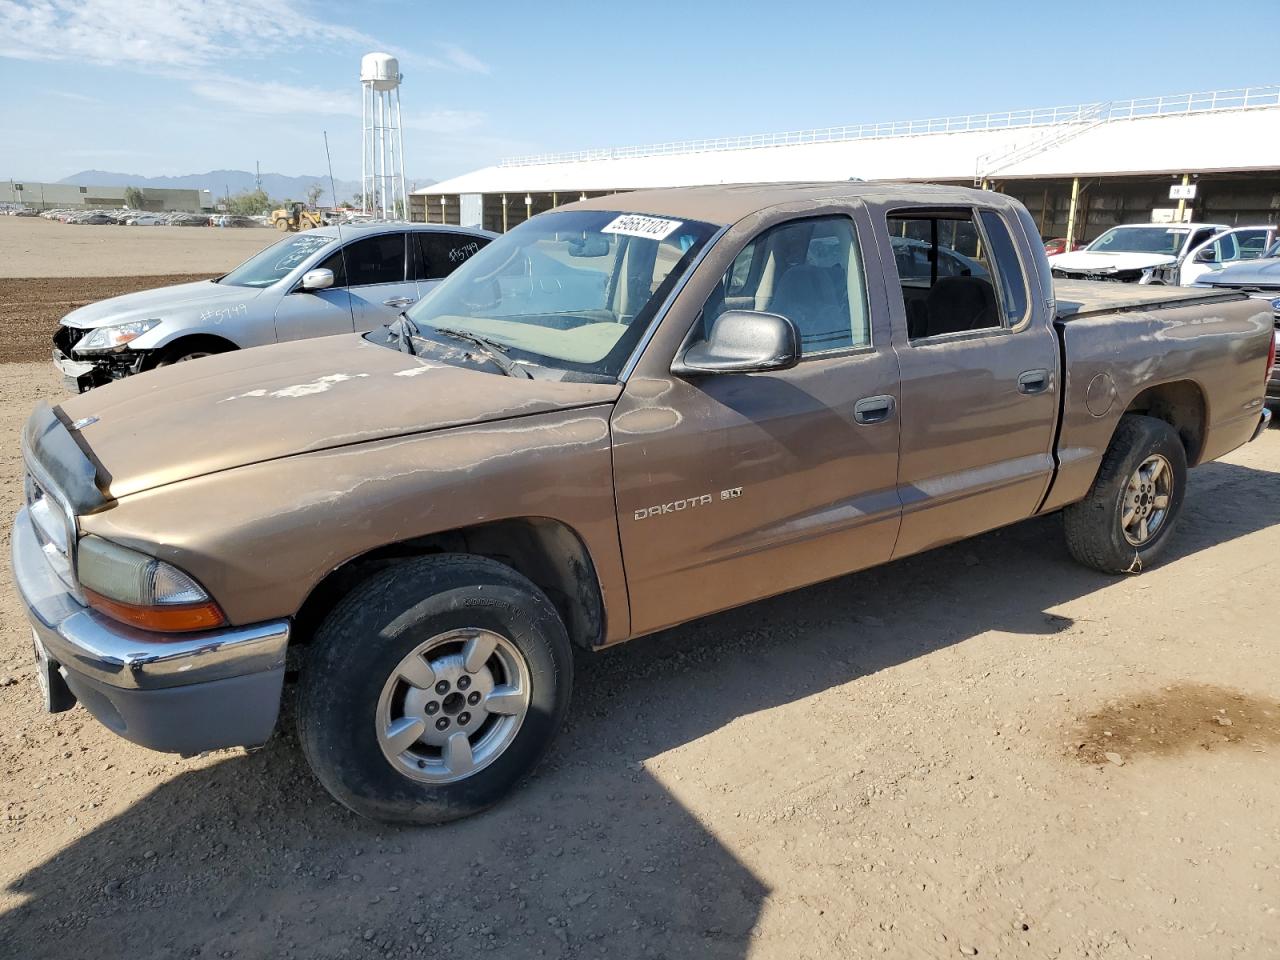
{"points": [[624, 414], [317, 283], [1136, 253]]}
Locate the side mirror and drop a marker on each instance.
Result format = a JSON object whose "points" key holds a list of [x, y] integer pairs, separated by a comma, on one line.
{"points": [[743, 341], [1206, 256], [317, 280]]}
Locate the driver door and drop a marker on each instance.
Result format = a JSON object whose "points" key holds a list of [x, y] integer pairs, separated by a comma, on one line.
{"points": [[736, 486]]}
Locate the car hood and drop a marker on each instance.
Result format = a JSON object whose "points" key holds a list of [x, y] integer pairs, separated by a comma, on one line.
{"points": [[146, 304], [1261, 273], [1086, 262], [244, 407]]}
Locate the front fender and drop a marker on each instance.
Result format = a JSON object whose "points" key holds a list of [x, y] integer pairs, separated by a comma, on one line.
{"points": [[260, 537]]}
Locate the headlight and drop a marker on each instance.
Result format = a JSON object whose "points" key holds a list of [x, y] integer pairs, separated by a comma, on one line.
{"points": [[1275, 304], [104, 339], [140, 590]]}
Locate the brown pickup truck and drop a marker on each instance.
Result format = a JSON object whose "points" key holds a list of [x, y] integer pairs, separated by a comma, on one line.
{"points": [[622, 415]]}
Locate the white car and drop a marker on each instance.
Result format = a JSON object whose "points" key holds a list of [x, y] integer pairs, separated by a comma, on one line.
{"points": [[1136, 253], [325, 281], [144, 220], [1237, 244]]}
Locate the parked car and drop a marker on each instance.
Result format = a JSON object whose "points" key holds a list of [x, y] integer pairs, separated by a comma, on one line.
{"points": [[1236, 245], [1259, 279], [1136, 253], [626, 413], [1059, 245], [325, 281], [136, 219]]}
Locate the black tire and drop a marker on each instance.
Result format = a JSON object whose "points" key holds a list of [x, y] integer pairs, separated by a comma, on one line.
{"points": [[1095, 532], [187, 350], [363, 641]]}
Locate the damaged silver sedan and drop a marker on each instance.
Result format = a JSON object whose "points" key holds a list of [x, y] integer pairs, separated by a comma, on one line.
{"points": [[325, 281]]}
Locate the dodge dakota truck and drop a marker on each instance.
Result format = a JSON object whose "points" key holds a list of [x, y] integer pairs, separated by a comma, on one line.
{"points": [[624, 414]]}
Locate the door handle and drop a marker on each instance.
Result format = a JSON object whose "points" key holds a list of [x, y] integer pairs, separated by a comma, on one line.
{"points": [[874, 409], [400, 301], [1034, 381]]}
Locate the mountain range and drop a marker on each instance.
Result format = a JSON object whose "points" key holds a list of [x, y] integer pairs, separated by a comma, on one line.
{"points": [[220, 182]]}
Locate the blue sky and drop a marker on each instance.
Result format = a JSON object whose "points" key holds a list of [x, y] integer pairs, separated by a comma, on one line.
{"points": [[165, 87]]}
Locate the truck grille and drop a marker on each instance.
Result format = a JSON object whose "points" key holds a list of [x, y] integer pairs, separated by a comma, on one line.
{"points": [[65, 338]]}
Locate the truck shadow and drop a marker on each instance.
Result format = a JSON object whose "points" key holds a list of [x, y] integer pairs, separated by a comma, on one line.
{"points": [[594, 856]]}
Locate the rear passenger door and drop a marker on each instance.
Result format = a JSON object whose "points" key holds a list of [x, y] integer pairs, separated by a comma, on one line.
{"points": [[979, 369], [380, 279], [437, 253]]}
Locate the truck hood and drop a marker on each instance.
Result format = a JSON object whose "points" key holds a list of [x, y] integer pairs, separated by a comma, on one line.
{"points": [[1250, 273], [146, 304], [1082, 261], [244, 407]]}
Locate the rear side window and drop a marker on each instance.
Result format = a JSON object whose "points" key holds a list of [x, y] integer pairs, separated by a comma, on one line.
{"points": [[1013, 285], [945, 272], [808, 271], [439, 254], [374, 260]]}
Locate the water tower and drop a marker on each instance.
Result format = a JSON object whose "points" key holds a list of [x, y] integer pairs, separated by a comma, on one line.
{"points": [[382, 144]]}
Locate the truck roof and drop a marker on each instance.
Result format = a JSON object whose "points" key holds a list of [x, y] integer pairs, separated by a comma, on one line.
{"points": [[728, 203]]}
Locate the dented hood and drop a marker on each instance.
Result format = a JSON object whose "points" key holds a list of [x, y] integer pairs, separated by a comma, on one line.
{"points": [[244, 407]]}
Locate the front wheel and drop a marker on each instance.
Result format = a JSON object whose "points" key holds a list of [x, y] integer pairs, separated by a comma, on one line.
{"points": [[433, 688], [1124, 522]]}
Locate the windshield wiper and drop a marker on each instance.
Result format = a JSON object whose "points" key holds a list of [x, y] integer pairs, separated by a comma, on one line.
{"points": [[495, 352], [402, 330]]}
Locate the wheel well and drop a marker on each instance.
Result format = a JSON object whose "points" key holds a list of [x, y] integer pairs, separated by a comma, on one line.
{"points": [[1180, 404], [546, 551], [195, 341]]}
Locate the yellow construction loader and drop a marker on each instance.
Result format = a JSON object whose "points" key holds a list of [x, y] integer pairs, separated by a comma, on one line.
{"points": [[296, 217]]}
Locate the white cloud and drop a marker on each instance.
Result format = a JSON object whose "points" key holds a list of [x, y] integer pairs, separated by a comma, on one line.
{"points": [[168, 35], [159, 34], [274, 98]]}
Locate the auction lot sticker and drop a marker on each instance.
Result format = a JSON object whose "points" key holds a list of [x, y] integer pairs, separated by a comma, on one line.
{"points": [[635, 225]]}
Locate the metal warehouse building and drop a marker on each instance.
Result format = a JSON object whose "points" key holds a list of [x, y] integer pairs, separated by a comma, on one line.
{"points": [[1080, 169], [48, 196]]}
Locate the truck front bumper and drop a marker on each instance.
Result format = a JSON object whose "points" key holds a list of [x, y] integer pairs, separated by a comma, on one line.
{"points": [[179, 693]]}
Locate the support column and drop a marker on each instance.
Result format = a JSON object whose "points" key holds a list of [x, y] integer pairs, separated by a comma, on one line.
{"points": [[1182, 202], [1071, 212], [555, 199], [528, 206], [504, 213]]}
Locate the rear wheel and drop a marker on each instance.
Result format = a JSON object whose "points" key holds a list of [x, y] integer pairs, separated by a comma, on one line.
{"points": [[1124, 522], [282, 225], [433, 688]]}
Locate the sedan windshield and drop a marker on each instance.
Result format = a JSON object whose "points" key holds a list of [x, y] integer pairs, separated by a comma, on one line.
{"points": [[572, 290], [1166, 240], [276, 262]]}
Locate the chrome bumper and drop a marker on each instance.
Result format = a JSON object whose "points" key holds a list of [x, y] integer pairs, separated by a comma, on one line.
{"points": [[176, 692]]}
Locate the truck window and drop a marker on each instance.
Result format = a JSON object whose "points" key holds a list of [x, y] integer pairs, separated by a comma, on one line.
{"points": [[376, 260], [438, 254], [1012, 283], [808, 271], [944, 270]]}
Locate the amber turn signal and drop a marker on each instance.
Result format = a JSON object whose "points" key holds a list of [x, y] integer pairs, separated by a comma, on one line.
{"points": [[169, 618]]}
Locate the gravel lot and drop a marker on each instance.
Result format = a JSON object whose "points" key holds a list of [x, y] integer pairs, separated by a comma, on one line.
{"points": [[982, 751]]}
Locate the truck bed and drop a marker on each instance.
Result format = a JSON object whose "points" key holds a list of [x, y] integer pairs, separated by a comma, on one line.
{"points": [[1083, 298]]}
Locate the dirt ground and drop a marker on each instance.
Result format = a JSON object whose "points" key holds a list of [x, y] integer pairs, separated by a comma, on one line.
{"points": [[35, 247], [982, 751]]}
